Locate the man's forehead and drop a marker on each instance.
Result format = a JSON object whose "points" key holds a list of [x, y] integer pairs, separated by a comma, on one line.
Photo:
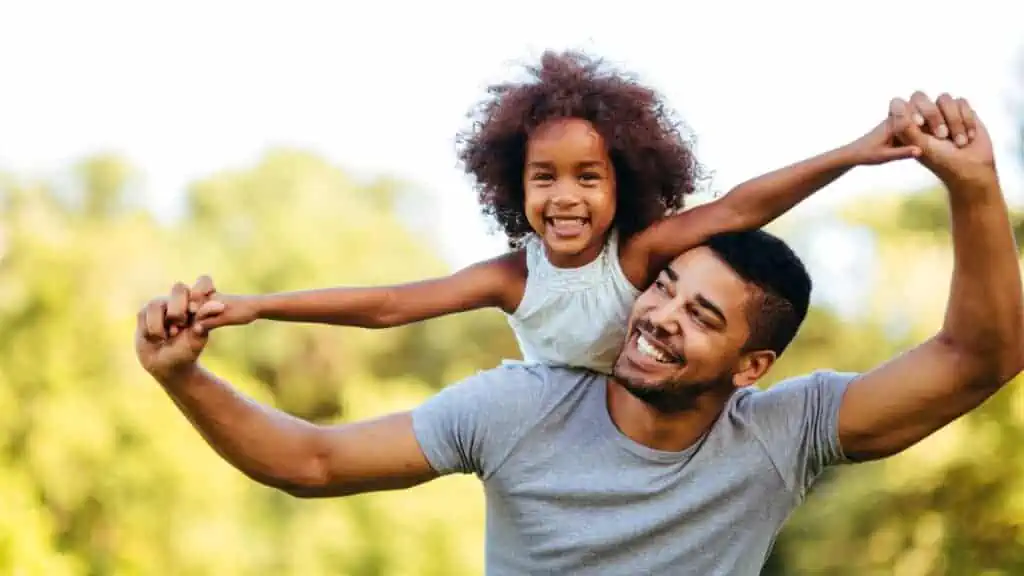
{"points": [[706, 272]]}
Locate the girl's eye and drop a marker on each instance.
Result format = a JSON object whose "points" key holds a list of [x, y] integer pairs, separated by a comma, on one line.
{"points": [[590, 176], [541, 176]]}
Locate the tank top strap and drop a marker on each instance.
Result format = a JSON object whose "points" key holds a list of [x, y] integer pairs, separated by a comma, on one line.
{"points": [[611, 253], [535, 257]]}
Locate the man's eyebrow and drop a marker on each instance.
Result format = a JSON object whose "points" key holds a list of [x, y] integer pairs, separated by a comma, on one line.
{"points": [[711, 307], [668, 271]]}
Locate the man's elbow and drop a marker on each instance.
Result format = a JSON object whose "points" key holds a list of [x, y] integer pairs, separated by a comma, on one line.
{"points": [[307, 486], [307, 477], [1013, 364], [1009, 356], [995, 362]]}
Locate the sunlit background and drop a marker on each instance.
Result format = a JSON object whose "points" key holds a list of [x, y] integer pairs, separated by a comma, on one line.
{"points": [[285, 146]]}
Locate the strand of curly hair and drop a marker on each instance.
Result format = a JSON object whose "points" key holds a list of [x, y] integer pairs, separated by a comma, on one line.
{"points": [[649, 146]]}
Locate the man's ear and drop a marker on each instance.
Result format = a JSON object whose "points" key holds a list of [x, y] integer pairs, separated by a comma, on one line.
{"points": [[752, 366]]}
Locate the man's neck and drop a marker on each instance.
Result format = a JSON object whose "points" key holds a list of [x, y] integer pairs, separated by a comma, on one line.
{"points": [[667, 431]]}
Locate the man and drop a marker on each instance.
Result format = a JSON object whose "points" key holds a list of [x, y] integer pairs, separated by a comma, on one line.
{"points": [[676, 465]]}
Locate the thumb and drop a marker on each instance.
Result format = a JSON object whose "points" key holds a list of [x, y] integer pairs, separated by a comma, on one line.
{"points": [[897, 152], [902, 126]]}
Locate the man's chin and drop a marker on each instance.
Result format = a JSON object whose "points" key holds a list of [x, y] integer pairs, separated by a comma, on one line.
{"points": [[665, 395]]}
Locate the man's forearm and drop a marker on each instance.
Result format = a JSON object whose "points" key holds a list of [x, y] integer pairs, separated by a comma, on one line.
{"points": [[984, 315], [267, 445]]}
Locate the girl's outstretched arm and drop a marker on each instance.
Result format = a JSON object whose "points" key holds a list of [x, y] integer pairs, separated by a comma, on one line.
{"points": [[498, 282], [753, 203]]}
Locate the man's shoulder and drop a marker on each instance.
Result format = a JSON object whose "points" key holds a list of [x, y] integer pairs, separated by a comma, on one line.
{"points": [[518, 386], [476, 423], [788, 395], [793, 384], [516, 374]]}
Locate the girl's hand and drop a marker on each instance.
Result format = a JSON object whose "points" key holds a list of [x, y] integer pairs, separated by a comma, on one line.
{"points": [[881, 145], [224, 310], [209, 309]]}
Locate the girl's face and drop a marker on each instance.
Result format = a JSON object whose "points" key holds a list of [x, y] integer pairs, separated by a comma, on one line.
{"points": [[569, 190]]}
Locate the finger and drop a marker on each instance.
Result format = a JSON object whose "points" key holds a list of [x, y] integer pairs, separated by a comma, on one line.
{"points": [[204, 286], [154, 320], [969, 117], [177, 305], [899, 153], [950, 110], [923, 107], [201, 292], [902, 123]]}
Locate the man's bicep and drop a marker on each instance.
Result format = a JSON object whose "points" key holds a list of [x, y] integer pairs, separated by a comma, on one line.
{"points": [[906, 399], [369, 456]]}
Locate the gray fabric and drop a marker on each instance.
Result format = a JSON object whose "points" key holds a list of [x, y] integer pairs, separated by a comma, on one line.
{"points": [[568, 493]]}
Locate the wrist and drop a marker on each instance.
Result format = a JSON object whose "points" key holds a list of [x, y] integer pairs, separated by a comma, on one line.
{"points": [[980, 176], [258, 306], [845, 157], [177, 376]]}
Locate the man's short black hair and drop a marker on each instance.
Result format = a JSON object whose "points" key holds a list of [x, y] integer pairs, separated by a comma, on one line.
{"points": [[783, 285]]}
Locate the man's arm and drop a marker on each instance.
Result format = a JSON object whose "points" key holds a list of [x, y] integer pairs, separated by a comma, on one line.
{"points": [[296, 456], [979, 347]]}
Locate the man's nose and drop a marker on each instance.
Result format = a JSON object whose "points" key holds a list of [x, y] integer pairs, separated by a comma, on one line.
{"points": [[666, 317]]}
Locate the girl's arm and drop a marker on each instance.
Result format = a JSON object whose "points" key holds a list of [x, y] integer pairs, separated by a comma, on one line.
{"points": [[753, 203], [498, 282]]}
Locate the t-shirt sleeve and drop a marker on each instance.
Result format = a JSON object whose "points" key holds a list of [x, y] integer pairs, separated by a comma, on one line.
{"points": [[797, 421], [472, 426]]}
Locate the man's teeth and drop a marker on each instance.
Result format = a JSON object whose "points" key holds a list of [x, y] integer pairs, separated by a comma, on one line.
{"points": [[648, 349]]}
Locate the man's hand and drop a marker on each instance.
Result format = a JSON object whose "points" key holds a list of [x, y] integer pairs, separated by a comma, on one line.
{"points": [[966, 157], [167, 341]]}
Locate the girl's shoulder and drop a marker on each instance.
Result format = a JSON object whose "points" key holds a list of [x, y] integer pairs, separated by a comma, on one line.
{"points": [[511, 271]]}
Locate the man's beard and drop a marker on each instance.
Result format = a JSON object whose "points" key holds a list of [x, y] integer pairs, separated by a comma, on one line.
{"points": [[673, 397]]}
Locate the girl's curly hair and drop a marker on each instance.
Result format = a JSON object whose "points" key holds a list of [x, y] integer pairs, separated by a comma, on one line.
{"points": [[654, 164]]}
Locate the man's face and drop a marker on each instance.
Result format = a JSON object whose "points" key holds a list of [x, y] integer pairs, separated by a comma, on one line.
{"points": [[687, 334]]}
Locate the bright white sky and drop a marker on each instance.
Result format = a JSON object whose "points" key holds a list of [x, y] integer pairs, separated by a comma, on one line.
{"points": [[187, 88]]}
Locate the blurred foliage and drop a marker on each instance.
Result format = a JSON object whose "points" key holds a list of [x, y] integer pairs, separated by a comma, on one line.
{"points": [[100, 475]]}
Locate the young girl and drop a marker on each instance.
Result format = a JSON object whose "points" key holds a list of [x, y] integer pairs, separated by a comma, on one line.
{"points": [[585, 170]]}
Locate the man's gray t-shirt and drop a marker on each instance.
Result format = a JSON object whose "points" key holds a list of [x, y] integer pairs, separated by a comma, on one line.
{"points": [[568, 493]]}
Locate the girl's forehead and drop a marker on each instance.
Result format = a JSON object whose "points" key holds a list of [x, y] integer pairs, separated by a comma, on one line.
{"points": [[559, 128], [566, 135]]}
